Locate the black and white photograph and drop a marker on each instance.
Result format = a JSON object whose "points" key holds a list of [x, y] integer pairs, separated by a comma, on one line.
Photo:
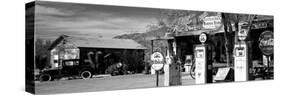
{"points": [[79, 47]]}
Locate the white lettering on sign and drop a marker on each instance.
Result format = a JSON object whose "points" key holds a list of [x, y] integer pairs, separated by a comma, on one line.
{"points": [[211, 22], [268, 42]]}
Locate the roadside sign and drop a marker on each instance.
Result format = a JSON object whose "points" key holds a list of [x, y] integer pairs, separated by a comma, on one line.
{"points": [[212, 22], [266, 43], [157, 56], [158, 61], [203, 37], [222, 74]]}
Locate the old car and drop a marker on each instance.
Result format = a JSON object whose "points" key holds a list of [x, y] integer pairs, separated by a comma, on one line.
{"points": [[68, 68], [117, 69]]}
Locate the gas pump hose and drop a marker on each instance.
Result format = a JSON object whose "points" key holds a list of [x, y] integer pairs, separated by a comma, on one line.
{"points": [[192, 69]]}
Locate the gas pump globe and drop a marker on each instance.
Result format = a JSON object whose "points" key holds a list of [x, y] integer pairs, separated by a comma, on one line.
{"points": [[243, 31]]}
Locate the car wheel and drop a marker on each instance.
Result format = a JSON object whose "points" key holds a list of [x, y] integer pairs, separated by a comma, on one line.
{"points": [[86, 74], [45, 77], [113, 73]]}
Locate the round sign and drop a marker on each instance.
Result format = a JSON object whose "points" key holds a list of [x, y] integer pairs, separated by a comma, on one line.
{"points": [[157, 66], [242, 34], [157, 58], [266, 42], [203, 37]]}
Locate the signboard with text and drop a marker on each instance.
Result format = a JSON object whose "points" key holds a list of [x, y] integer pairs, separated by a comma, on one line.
{"points": [[158, 61], [203, 38], [212, 22], [266, 43]]}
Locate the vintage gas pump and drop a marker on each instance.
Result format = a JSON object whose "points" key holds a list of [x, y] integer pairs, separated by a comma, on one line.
{"points": [[241, 64], [203, 63], [172, 68], [188, 63], [241, 57]]}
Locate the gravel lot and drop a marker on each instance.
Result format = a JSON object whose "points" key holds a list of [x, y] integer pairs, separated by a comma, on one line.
{"points": [[104, 83]]}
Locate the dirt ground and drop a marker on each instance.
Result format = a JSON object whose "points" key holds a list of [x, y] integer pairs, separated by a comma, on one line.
{"points": [[105, 83]]}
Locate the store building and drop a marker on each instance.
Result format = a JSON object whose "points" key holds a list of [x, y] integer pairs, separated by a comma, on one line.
{"points": [[184, 42], [102, 52]]}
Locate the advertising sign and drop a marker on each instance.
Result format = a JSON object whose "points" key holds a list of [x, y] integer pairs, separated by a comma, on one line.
{"points": [[222, 73], [158, 60], [266, 42], [212, 22]]}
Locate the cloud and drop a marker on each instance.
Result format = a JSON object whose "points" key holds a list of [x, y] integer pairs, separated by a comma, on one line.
{"points": [[89, 20], [44, 10]]}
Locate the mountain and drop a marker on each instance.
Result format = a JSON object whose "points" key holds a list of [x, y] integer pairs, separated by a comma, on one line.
{"points": [[145, 39]]}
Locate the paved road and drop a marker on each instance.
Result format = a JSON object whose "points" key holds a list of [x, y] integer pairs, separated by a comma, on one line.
{"points": [[104, 83]]}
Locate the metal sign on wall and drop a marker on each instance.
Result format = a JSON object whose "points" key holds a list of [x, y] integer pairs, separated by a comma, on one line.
{"points": [[212, 22], [266, 42], [203, 38]]}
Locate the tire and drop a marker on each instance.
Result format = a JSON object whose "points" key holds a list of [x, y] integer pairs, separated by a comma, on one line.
{"points": [[86, 74], [113, 73], [45, 77]]}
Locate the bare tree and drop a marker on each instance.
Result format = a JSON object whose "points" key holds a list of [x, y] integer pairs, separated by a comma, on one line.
{"points": [[231, 21], [42, 53]]}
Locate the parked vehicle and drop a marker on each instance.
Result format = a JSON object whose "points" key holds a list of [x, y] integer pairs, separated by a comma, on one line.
{"points": [[68, 68], [117, 69]]}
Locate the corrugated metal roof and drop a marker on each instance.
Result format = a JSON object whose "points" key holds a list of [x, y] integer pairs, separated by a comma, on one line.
{"points": [[104, 43]]}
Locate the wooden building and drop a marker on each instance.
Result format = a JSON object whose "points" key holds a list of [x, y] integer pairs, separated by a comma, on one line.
{"points": [[103, 52]]}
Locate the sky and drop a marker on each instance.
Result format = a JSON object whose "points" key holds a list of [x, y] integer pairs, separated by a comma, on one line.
{"points": [[87, 20]]}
